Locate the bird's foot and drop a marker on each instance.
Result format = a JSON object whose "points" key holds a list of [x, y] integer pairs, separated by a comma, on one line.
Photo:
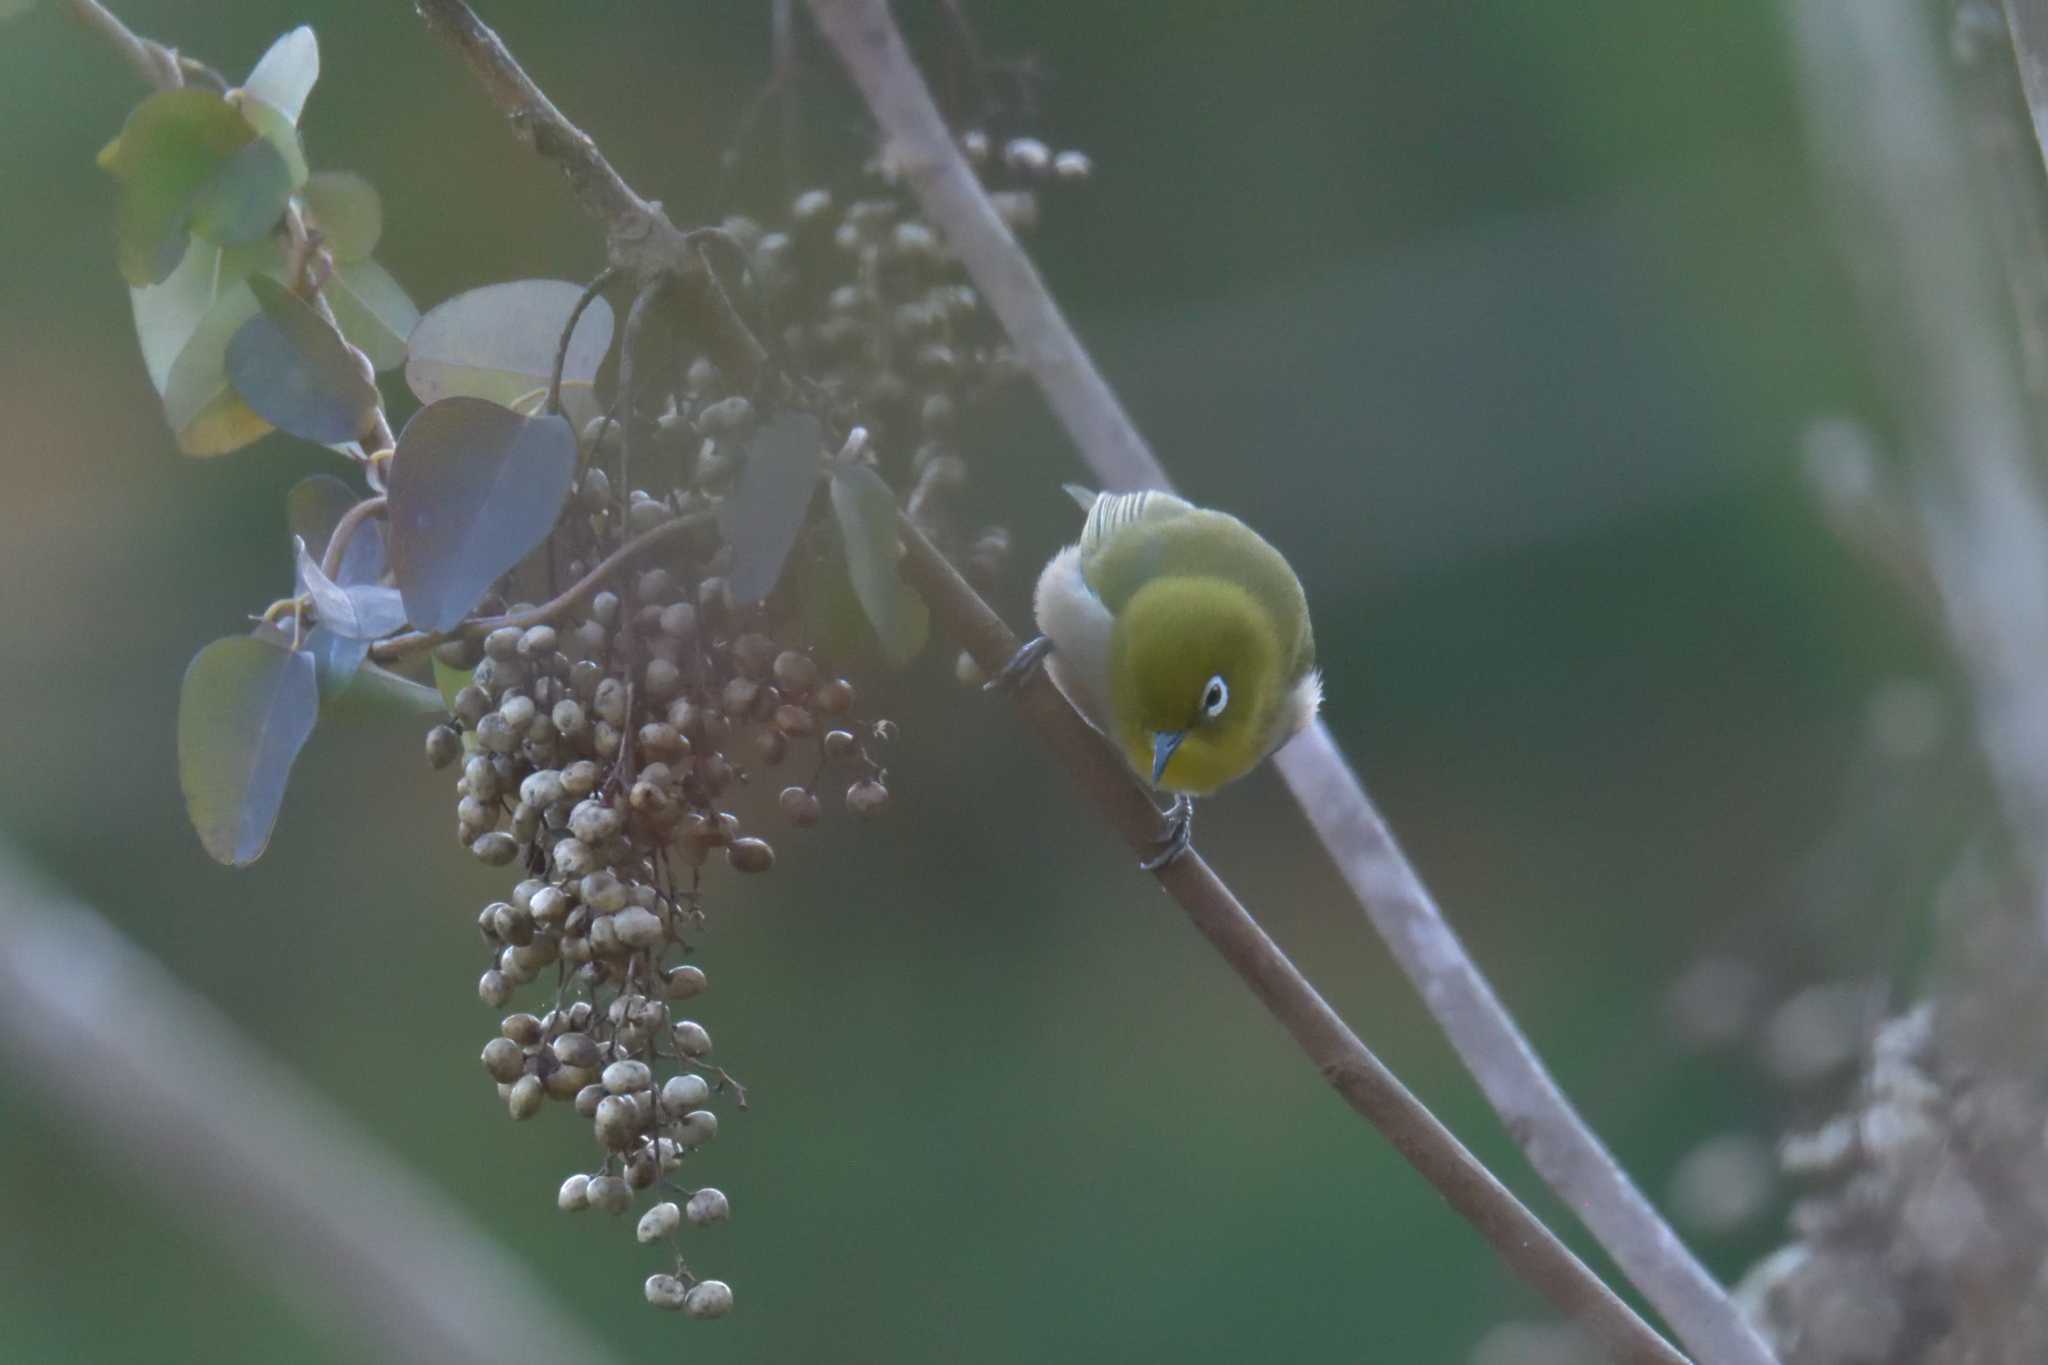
{"points": [[1020, 666], [1180, 828]]}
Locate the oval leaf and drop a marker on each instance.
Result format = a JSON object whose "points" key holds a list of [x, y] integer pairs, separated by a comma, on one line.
{"points": [[244, 712], [315, 507], [284, 76], [296, 372], [363, 611], [378, 691], [450, 680], [866, 511], [374, 311], [499, 342], [277, 130], [348, 212], [474, 489], [188, 161], [762, 517]]}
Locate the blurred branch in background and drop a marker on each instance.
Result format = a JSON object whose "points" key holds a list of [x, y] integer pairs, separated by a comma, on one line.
{"points": [[1558, 1143], [1926, 1239], [1911, 223], [257, 1160]]}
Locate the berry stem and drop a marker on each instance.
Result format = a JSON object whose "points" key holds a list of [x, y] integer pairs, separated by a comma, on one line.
{"points": [[413, 641]]}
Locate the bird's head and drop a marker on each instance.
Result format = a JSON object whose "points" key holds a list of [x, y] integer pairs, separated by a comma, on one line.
{"points": [[1196, 672]]}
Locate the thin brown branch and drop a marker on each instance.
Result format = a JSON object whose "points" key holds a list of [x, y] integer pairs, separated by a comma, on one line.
{"points": [[1530, 1249], [641, 239], [346, 1232], [1556, 1139], [345, 531], [413, 641]]}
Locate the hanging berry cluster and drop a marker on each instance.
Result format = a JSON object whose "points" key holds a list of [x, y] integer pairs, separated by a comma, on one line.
{"points": [[612, 545]]}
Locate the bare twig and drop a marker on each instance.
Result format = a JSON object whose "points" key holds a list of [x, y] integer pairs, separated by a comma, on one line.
{"points": [[1519, 1238], [1529, 1248], [1558, 1142], [641, 239], [348, 1234]]}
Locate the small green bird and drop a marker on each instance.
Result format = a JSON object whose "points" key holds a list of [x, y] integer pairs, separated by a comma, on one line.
{"points": [[1182, 636]]}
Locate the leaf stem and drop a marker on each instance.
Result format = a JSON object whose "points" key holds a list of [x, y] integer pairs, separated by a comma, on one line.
{"points": [[345, 530]]}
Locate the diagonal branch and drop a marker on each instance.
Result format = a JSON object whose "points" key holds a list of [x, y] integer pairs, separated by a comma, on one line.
{"points": [[1521, 1240], [1556, 1139], [1530, 1249]]}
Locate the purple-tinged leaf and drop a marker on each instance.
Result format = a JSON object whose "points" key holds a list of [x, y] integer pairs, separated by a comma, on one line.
{"points": [[474, 489], [362, 611], [294, 371]]}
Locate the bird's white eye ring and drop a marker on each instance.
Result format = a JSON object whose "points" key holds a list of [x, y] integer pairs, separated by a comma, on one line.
{"points": [[1215, 697]]}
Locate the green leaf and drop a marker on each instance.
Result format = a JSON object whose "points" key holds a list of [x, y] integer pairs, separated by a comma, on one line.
{"points": [[374, 311], [167, 313], [866, 512], [450, 680], [762, 517], [296, 372], [209, 417], [379, 691], [346, 209], [499, 342], [474, 489], [284, 75], [189, 162], [244, 712], [277, 130], [358, 611]]}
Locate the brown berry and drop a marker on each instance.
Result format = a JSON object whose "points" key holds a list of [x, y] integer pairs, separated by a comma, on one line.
{"points": [[750, 855], [795, 672], [867, 798], [799, 807], [834, 698]]}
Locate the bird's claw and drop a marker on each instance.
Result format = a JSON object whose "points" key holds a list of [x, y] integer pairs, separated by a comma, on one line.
{"points": [[1020, 666], [1180, 829]]}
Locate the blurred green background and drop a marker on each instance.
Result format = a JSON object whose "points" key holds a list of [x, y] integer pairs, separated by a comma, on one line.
{"points": [[1504, 320]]}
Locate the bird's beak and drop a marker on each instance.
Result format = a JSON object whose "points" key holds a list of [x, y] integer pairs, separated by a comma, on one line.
{"points": [[1164, 742]]}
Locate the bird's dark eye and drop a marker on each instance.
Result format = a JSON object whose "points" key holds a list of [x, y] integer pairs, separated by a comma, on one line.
{"points": [[1215, 697]]}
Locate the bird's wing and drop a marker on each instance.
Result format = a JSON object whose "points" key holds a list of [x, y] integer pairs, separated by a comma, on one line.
{"points": [[1114, 512]]}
